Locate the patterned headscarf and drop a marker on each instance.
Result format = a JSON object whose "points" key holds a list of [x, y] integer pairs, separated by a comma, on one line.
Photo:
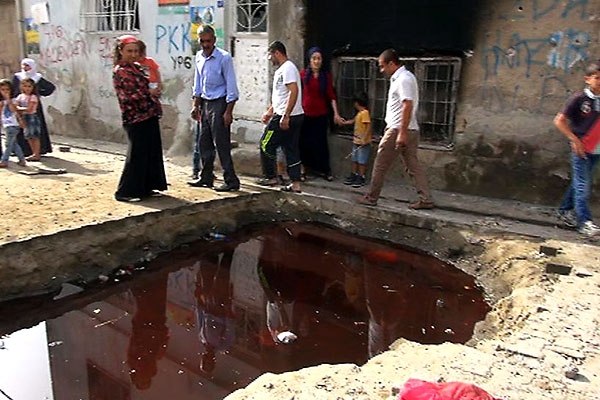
{"points": [[127, 39]]}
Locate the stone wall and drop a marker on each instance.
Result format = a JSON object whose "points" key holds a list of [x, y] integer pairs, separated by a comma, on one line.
{"points": [[529, 57], [10, 41]]}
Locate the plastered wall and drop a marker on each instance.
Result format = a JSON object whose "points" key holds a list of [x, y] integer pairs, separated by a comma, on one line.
{"points": [[80, 64]]}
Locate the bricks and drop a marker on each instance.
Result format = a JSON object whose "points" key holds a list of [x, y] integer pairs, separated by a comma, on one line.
{"points": [[548, 250], [561, 269]]}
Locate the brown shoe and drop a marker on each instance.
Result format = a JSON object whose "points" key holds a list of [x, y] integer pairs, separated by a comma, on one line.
{"points": [[422, 205], [366, 200]]}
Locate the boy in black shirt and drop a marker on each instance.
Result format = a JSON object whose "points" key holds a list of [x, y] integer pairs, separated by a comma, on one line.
{"points": [[578, 119]]}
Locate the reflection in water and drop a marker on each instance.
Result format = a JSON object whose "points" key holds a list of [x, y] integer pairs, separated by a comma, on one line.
{"points": [[289, 290], [149, 333], [227, 310], [214, 306]]}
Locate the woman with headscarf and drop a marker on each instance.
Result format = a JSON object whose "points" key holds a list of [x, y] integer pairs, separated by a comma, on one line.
{"points": [[318, 95], [144, 170], [44, 88]]}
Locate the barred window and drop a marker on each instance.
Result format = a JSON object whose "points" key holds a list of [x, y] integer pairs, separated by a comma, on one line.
{"points": [[438, 80], [110, 16], [251, 16]]}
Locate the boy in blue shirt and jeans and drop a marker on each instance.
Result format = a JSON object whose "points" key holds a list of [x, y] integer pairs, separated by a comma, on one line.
{"points": [[575, 121]]}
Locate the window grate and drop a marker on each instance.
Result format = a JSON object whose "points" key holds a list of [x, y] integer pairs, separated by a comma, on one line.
{"points": [[110, 16], [251, 16], [438, 80]]}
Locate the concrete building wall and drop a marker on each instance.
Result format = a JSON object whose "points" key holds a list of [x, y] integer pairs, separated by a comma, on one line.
{"points": [[286, 24], [80, 64], [10, 40], [529, 56]]}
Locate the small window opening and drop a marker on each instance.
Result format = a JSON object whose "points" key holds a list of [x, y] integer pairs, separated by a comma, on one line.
{"points": [[110, 16], [251, 16]]}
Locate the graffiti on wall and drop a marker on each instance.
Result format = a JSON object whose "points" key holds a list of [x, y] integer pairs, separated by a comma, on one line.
{"points": [[180, 41], [538, 9], [568, 47], [561, 50], [545, 63], [62, 45], [173, 38]]}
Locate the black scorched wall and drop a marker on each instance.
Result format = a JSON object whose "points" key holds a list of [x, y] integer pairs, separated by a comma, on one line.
{"points": [[413, 27]]}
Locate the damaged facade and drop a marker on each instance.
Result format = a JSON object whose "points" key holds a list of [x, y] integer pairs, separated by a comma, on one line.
{"points": [[492, 73]]}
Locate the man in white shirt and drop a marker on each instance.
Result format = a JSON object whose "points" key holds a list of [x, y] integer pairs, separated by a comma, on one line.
{"points": [[284, 119], [401, 136]]}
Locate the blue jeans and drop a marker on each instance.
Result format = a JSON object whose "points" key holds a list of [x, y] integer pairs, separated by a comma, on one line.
{"points": [[578, 193], [11, 144]]}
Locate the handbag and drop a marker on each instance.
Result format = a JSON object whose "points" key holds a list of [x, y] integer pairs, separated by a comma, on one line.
{"points": [[45, 87]]}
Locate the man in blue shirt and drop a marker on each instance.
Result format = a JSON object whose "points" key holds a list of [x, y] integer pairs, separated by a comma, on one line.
{"points": [[215, 93]]}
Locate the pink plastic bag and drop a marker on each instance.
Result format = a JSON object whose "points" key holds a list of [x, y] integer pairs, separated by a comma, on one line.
{"points": [[416, 389]]}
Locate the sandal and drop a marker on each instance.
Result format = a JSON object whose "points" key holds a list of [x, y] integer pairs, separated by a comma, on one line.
{"points": [[281, 181], [366, 200], [422, 205], [290, 188], [266, 182]]}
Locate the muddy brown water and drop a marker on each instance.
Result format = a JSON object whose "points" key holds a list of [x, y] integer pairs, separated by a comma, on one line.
{"points": [[212, 316]]}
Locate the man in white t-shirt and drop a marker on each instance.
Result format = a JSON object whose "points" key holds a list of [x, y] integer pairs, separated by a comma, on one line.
{"points": [[284, 119], [401, 136]]}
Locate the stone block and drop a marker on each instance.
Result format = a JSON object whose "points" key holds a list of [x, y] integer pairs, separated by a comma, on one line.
{"points": [[549, 250], [528, 347], [561, 269]]}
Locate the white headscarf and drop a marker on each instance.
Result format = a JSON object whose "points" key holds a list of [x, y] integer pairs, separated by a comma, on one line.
{"points": [[32, 73]]}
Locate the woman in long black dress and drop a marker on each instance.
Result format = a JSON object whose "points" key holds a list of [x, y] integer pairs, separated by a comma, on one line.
{"points": [[318, 97], [44, 88], [144, 170]]}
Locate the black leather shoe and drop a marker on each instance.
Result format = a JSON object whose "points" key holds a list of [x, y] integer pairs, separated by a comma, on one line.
{"points": [[201, 183], [227, 188]]}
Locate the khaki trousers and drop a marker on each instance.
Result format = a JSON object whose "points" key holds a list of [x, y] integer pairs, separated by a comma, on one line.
{"points": [[387, 154]]}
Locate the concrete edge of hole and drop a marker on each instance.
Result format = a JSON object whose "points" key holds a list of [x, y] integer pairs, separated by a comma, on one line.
{"points": [[42, 264]]}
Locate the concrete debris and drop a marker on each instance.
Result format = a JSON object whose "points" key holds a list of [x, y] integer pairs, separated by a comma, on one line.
{"points": [[549, 251], [572, 373], [583, 273], [552, 268]]}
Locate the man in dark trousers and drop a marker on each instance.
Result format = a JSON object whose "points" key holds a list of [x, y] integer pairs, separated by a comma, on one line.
{"points": [[215, 94]]}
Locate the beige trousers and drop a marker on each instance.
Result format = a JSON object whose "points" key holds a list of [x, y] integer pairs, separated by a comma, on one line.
{"points": [[387, 154]]}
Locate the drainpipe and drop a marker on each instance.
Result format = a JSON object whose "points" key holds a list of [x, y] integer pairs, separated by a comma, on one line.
{"points": [[20, 30]]}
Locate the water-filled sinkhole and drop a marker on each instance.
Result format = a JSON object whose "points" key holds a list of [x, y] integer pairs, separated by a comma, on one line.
{"points": [[208, 318]]}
